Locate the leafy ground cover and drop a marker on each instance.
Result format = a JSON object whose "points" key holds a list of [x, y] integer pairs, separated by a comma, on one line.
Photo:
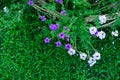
{"points": [[25, 56]]}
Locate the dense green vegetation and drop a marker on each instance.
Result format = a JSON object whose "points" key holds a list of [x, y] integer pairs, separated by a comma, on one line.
{"points": [[25, 56]]}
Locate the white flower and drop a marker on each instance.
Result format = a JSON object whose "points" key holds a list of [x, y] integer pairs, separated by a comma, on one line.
{"points": [[96, 56], [102, 19], [113, 42], [5, 9], [93, 30], [71, 51], [101, 34], [91, 61], [83, 56], [115, 33]]}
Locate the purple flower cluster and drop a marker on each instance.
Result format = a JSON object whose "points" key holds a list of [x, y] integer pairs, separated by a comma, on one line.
{"points": [[43, 18], [59, 1], [54, 27], [63, 12], [30, 2]]}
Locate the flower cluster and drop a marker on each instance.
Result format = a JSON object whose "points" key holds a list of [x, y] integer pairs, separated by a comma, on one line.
{"points": [[103, 19], [63, 35], [92, 60], [94, 31], [101, 34]]}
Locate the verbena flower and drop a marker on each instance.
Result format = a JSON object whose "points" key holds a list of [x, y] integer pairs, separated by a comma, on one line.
{"points": [[102, 19], [53, 27], [47, 40], [61, 35], [57, 26], [68, 46], [66, 28], [71, 51], [43, 18], [101, 34], [67, 38], [91, 61], [96, 56], [30, 2], [58, 44], [115, 33], [63, 12], [59, 1], [93, 30], [83, 56]]}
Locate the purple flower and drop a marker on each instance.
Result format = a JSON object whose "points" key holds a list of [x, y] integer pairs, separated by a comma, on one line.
{"points": [[53, 27], [67, 38], [66, 28], [68, 46], [57, 26], [47, 40], [61, 35], [63, 12], [42, 18], [59, 1], [30, 2], [58, 44]]}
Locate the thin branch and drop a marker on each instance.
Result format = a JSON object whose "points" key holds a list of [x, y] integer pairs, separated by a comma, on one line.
{"points": [[108, 24], [109, 17]]}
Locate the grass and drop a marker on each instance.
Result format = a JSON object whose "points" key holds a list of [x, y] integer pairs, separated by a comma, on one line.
{"points": [[24, 56]]}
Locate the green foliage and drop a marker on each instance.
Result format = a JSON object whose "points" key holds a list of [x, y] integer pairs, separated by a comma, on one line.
{"points": [[24, 56]]}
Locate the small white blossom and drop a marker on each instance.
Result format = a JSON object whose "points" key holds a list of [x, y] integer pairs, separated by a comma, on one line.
{"points": [[115, 33], [102, 19], [71, 51], [93, 30], [101, 34], [5, 9], [91, 61], [83, 56], [113, 42], [96, 56]]}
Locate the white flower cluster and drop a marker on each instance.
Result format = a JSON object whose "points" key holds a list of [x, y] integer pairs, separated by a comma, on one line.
{"points": [[115, 33], [92, 60], [101, 34], [103, 19], [95, 32]]}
